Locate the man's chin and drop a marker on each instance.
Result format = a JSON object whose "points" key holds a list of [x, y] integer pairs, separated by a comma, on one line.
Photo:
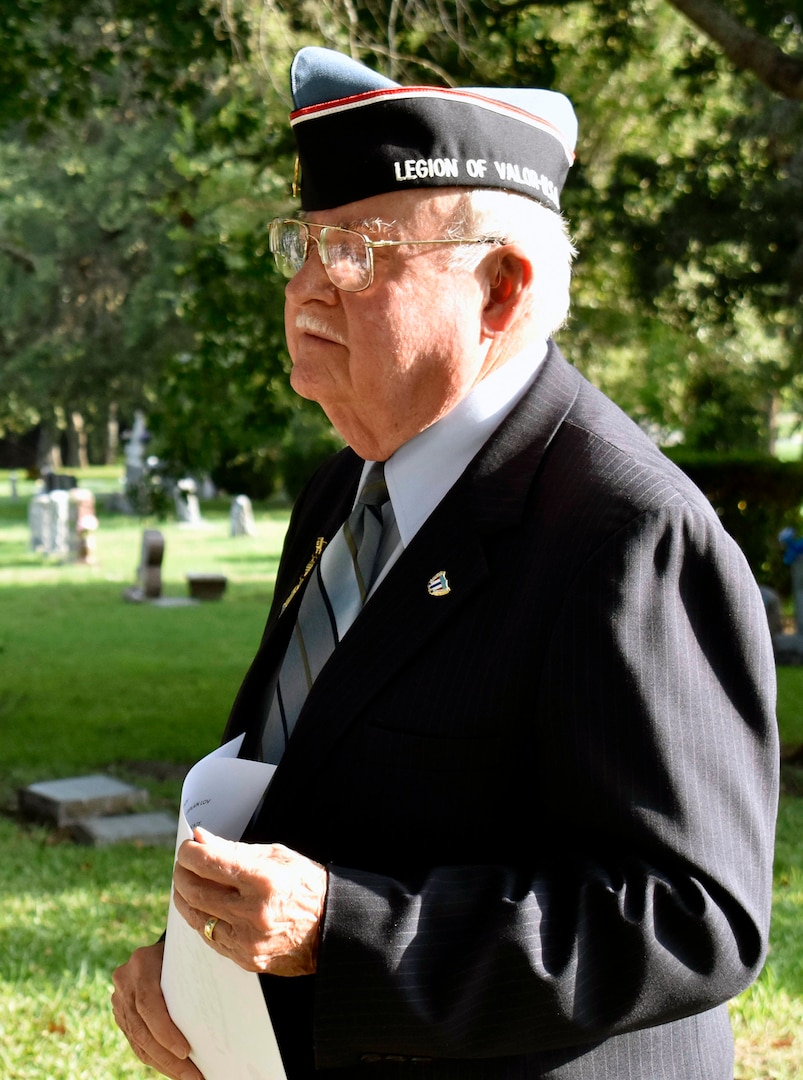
{"points": [[308, 381]]}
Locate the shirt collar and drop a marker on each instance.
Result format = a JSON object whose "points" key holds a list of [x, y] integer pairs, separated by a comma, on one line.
{"points": [[421, 471]]}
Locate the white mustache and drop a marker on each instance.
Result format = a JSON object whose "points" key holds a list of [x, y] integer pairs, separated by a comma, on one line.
{"points": [[305, 320]]}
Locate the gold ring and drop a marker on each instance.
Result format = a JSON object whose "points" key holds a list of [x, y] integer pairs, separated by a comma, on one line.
{"points": [[209, 927]]}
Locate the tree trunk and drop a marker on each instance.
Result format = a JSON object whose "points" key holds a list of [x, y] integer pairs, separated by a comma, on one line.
{"points": [[48, 454], [746, 49], [77, 456]]}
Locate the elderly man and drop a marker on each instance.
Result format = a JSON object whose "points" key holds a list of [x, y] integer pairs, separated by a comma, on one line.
{"points": [[518, 682]]}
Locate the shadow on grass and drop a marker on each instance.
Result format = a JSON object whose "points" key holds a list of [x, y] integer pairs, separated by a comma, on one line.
{"points": [[64, 907], [89, 680], [255, 557], [33, 562]]}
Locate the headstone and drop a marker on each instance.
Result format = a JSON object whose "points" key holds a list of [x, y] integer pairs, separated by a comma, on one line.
{"points": [[208, 489], [188, 510], [206, 586], [49, 523], [135, 449], [242, 517], [39, 509], [57, 535], [772, 606], [153, 828], [83, 525], [97, 810], [149, 572], [61, 802], [59, 482]]}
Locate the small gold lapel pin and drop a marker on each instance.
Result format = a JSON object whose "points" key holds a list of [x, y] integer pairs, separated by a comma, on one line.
{"points": [[320, 544], [438, 584]]}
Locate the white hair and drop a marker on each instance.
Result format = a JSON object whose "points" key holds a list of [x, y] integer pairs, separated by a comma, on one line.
{"points": [[541, 233]]}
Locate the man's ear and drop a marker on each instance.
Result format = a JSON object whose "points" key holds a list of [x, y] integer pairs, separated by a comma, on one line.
{"points": [[510, 273]]}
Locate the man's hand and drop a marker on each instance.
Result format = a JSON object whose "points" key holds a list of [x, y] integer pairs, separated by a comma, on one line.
{"points": [[141, 1013], [268, 901]]}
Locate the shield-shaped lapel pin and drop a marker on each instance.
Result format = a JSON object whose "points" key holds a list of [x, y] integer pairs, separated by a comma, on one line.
{"points": [[438, 584]]}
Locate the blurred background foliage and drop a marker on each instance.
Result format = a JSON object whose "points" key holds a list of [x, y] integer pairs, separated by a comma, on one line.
{"points": [[145, 146]]}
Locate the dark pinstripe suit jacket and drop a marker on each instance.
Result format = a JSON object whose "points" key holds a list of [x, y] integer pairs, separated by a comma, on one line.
{"points": [[547, 798]]}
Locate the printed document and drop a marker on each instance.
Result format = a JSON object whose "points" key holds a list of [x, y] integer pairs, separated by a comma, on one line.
{"points": [[217, 1005]]}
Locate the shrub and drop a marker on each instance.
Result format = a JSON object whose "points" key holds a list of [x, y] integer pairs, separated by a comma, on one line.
{"points": [[755, 497]]}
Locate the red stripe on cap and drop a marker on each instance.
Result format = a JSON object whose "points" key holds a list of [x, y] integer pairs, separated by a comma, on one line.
{"points": [[356, 101]]}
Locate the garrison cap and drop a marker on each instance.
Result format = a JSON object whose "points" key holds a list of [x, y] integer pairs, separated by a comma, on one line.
{"points": [[360, 134]]}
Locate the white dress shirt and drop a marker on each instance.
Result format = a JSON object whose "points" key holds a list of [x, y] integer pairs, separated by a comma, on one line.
{"points": [[421, 471]]}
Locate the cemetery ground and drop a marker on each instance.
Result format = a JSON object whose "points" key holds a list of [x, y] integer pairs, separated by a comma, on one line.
{"points": [[90, 683]]}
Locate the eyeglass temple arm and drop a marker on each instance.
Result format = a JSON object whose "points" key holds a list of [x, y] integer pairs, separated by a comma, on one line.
{"points": [[456, 240]]}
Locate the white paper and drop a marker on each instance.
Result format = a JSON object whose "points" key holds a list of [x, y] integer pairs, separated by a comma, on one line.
{"points": [[216, 1004]]}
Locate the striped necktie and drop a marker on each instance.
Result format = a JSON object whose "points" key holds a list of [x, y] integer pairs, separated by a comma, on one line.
{"points": [[335, 594]]}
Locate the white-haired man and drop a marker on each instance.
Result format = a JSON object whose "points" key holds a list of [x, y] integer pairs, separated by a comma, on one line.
{"points": [[522, 820]]}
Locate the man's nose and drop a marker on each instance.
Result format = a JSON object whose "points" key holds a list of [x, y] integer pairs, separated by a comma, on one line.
{"points": [[312, 278]]}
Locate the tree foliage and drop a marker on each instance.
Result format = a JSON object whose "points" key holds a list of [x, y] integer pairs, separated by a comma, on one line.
{"points": [[146, 145], [687, 196], [749, 44], [62, 58], [89, 286]]}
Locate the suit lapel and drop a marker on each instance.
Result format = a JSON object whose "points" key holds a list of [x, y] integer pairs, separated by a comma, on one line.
{"points": [[402, 616], [396, 623], [321, 516]]}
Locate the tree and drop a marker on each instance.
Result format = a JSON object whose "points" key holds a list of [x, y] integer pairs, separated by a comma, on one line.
{"points": [[90, 312], [748, 49], [686, 194], [686, 199], [88, 93], [133, 235], [224, 403], [63, 58]]}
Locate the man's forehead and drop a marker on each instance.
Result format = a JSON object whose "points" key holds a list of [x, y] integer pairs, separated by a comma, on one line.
{"points": [[383, 211], [344, 220]]}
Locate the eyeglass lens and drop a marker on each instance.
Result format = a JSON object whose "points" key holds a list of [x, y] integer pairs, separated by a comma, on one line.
{"points": [[288, 242], [345, 258], [344, 255]]}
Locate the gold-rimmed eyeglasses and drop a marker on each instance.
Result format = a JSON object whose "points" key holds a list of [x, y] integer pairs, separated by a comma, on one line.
{"points": [[347, 256]]}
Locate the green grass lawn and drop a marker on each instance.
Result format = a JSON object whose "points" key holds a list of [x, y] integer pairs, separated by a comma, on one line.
{"points": [[89, 682]]}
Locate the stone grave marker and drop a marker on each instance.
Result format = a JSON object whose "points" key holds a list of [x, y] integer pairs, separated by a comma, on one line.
{"points": [[149, 572], [207, 586], [242, 517], [59, 482], [96, 810], [57, 531], [150, 828], [185, 497], [135, 449], [39, 509], [61, 802]]}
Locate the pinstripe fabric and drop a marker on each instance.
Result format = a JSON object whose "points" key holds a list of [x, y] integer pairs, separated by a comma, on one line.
{"points": [[333, 598], [546, 800]]}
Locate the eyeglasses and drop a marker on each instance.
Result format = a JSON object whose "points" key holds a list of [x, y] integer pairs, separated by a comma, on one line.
{"points": [[347, 256]]}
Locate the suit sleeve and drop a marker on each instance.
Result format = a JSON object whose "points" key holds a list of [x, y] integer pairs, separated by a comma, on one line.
{"points": [[649, 722]]}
